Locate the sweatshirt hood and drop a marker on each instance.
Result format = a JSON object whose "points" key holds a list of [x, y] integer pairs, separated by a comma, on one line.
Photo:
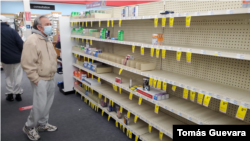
{"points": [[40, 33]]}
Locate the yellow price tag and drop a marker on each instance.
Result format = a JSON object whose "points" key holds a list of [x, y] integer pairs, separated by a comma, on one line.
{"points": [[99, 23], [139, 102], [241, 113], [120, 22], [223, 106], [88, 59], [112, 103], [123, 129], [109, 102], [163, 53], [115, 88], [155, 81], [86, 24], [152, 52], [112, 23], [99, 95], [116, 123], [71, 23], [133, 48], [120, 125], [92, 61], [188, 20], [77, 61], [151, 81], [156, 22], [149, 128], [135, 119], [142, 50], [200, 98], [164, 85], [206, 100], [108, 117], [163, 22], [105, 99], [156, 108], [136, 138], [130, 135], [92, 76], [171, 21], [158, 84], [107, 23], [82, 39], [178, 55], [173, 88], [127, 132], [81, 97], [120, 71], [130, 95], [160, 135], [120, 90], [192, 95], [97, 108], [99, 79], [185, 93], [121, 109], [90, 42], [157, 53], [75, 92], [91, 23], [188, 56], [128, 114]]}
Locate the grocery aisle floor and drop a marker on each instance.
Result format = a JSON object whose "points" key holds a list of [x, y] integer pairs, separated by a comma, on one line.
{"points": [[73, 124]]}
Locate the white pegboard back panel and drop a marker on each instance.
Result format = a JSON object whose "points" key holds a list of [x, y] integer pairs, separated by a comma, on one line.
{"points": [[201, 5]]}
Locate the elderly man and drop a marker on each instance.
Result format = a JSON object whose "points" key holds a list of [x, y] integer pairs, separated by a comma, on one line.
{"points": [[11, 50], [39, 62]]}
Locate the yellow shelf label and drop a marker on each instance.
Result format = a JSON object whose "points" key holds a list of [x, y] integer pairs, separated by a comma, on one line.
{"points": [[99, 79], [115, 88], [149, 128], [109, 102], [188, 20], [185, 93], [223, 106], [156, 22], [130, 135], [92, 91], [120, 23], [241, 113], [105, 99], [99, 95], [120, 90], [178, 55], [156, 108], [127, 132], [82, 23], [142, 50], [75, 92], [150, 81], [128, 114], [140, 99], [163, 54], [116, 123], [91, 23], [133, 48], [123, 129], [88, 59], [90, 42], [192, 95], [71, 23], [163, 22], [112, 103], [107, 23], [112, 23], [158, 84], [97, 108], [200, 98], [160, 135], [136, 138], [130, 95], [121, 109], [164, 86], [92, 76], [157, 53], [86, 24], [188, 57], [77, 61], [171, 21], [206, 100], [135, 119], [108, 117], [120, 125], [152, 52], [81, 97], [155, 81], [99, 23], [120, 71], [173, 88]]}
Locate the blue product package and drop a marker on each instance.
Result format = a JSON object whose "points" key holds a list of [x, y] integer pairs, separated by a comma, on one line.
{"points": [[87, 93]]}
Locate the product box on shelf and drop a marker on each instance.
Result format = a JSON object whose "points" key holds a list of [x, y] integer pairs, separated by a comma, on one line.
{"points": [[126, 120], [94, 65], [118, 80], [153, 93], [103, 103]]}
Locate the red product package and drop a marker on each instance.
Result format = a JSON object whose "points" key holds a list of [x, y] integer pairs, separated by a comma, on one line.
{"points": [[118, 80]]}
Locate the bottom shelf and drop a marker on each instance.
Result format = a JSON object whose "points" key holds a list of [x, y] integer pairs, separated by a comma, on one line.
{"points": [[139, 129]]}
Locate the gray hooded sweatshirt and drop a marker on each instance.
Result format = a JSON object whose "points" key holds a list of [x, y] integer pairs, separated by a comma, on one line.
{"points": [[40, 33]]}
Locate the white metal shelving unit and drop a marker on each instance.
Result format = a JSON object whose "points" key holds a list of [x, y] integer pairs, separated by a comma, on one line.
{"points": [[218, 70]]}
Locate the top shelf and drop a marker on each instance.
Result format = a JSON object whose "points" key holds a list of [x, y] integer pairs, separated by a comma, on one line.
{"points": [[177, 15]]}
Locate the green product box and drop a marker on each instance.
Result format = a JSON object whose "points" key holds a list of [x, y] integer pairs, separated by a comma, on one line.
{"points": [[104, 33], [120, 35]]}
